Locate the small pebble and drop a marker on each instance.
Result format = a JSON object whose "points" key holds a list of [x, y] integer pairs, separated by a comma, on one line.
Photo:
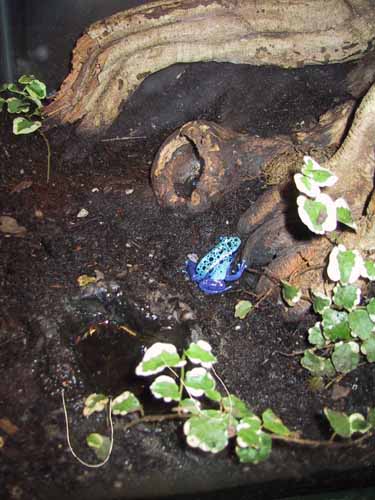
{"points": [[82, 213], [129, 191]]}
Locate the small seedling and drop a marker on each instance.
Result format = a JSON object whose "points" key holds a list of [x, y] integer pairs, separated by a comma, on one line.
{"points": [[24, 99]]}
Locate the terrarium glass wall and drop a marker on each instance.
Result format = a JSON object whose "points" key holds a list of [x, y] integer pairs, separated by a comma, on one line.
{"points": [[38, 36]]}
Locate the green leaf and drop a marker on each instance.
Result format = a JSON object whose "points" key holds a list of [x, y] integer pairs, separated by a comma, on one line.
{"points": [[339, 422], [23, 126], [291, 294], [317, 365], [164, 387], [4, 87], [322, 176], [25, 79], [320, 301], [189, 405], [200, 354], [371, 309], [344, 214], [318, 215], [12, 87], [346, 297], [198, 381], [345, 357], [242, 309], [259, 449], [368, 349], [2, 103], [274, 424], [361, 324], [36, 89], [94, 402], [100, 444], [125, 403], [158, 357], [207, 431], [316, 336], [306, 186], [335, 325], [358, 423], [236, 407], [344, 265], [16, 105], [369, 270]]}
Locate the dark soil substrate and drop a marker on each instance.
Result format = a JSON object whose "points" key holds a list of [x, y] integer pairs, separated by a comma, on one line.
{"points": [[141, 250]]}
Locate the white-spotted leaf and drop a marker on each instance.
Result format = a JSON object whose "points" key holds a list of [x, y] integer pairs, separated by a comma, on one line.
{"points": [[273, 423], [198, 381], [315, 335], [164, 387], [361, 324], [346, 297], [94, 402], [320, 301], [321, 176], [317, 365], [207, 431], [344, 214], [22, 126], [125, 403], [242, 309], [319, 215], [290, 293], [306, 186], [335, 325], [344, 265], [158, 357], [200, 354], [345, 357]]}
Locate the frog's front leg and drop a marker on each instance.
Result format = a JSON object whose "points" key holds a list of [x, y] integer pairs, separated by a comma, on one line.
{"points": [[237, 275], [191, 266], [210, 286]]}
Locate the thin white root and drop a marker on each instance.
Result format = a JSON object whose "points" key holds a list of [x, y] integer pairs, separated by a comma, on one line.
{"points": [[82, 462]]}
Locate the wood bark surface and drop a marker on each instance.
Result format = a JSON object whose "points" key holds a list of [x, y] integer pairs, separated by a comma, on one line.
{"points": [[116, 54]]}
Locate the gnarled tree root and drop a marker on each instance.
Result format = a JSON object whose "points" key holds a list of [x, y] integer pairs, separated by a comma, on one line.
{"points": [[115, 55], [275, 237], [202, 161]]}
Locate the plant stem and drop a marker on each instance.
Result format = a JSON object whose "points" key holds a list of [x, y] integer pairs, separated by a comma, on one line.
{"points": [[48, 154]]}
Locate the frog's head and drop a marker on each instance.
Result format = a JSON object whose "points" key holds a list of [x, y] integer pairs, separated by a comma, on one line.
{"points": [[231, 243]]}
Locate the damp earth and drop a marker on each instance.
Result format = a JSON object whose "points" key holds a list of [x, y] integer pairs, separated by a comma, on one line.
{"points": [[57, 335]]}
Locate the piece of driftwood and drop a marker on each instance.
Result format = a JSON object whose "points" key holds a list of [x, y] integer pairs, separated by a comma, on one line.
{"points": [[116, 54], [202, 161]]}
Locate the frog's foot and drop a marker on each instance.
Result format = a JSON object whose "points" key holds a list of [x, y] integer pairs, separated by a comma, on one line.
{"points": [[212, 287], [191, 266], [237, 275]]}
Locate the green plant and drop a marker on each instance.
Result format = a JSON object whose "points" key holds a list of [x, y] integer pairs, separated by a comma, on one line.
{"points": [[211, 420], [347, 327], [24, 99]]}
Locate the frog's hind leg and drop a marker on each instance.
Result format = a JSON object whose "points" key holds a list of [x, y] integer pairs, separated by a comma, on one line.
{"points": [[212, 287], [237, 275]]}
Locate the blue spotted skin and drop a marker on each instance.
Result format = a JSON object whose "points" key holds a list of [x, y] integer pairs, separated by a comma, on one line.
{"points": [[213, 271]]}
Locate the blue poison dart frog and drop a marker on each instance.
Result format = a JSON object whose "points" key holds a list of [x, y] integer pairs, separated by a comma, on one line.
{"points": [[214, 269]]}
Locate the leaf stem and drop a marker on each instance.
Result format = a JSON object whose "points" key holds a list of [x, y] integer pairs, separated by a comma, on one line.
{"points": [[48, 154]]}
